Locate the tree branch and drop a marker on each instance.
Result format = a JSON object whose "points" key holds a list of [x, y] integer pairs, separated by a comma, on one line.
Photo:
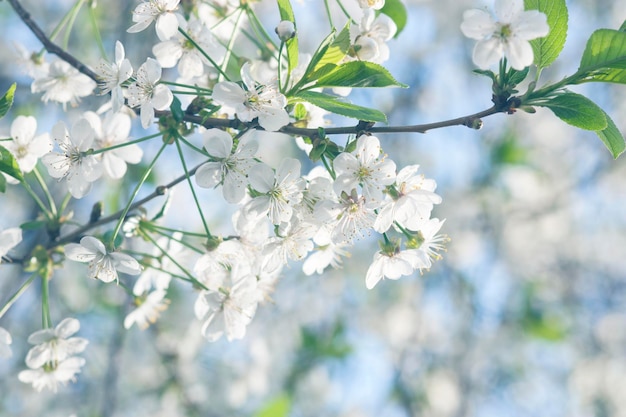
{"points": [[50, 46]]}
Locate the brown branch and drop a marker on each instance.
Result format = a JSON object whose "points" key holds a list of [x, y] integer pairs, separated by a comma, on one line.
{"points": [[50, 46]]}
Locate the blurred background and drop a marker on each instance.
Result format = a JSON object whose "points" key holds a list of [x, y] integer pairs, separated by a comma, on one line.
{"points": [[524, 316]]}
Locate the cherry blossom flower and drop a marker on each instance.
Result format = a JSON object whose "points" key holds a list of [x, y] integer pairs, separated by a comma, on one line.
{"points": [[5, 342], [161, 11], [285, 30], [55, 345], [230, 309], [103, 265], [182, 52], [393, 265], [113, 75], [326, 253], [51, 360], [50, 377], [9, 239], [111, 131], [411, 203], [33, 64], [25, 146], [228, 168], [72, 164], [374, 32], [507, 36], [431, 243], [365, 167], [256, 100], [278, 194], [294, 241], [63, 83], [148, 310], [349, 218], [148, 93]]}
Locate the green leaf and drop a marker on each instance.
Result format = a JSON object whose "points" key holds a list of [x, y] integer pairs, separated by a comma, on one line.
{"points": [[33, 225], [396, 10], [612, 138], [7, 100], [330, 52], [3, 184], [336, 105], [278, 407], [358, 74], [623, 27], [177, 110], [286, 13], [577, 110], [604, 58], [9, 165], [548, 48]]}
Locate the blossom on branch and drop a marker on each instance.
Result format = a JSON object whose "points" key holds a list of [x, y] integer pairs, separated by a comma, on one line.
{"points": [[113, 75], [103, 265], [161, 11], [147, 93], [63, 83], [508, 36], [25, 146]]}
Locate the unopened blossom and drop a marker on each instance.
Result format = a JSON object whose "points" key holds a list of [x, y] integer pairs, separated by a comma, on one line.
{"points": [[374, 32], [9, 238], [366, 167], [55, 345], [411, 201], [24, 145], [278, 193], [371, 4], [147, 93], [228, 168], [72, 164], [113, 75], [230, 309], [394, 265], [63, 83], [161, 11], [5, 343], [285, 30], [103, 265], [507, 35], [179, 50], [256, 100], [50, 377], [113, 130], [148, 310]]}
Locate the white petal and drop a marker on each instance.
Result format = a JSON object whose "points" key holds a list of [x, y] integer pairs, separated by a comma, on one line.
{"points": [[477, 24], [487, 52], [166, 26], [519, 53], [67, 327], [507, 10]]}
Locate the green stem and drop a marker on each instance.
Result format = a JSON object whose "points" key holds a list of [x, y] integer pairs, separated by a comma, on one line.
{"points": [[70, 25], [345, 12], [143, 179], [46, 191], [258, 27], [204, 54], [161, 229], [17, 294], [37, 200], [121, 145], [281, 87], [96, 31], [194, 147], [182, 242], [231, 43], [191, 187], [328, 168], [46, 322], [329, 14], [195, 87]]}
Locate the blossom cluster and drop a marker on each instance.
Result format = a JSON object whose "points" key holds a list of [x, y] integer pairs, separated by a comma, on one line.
{"points": [[282, 213]]}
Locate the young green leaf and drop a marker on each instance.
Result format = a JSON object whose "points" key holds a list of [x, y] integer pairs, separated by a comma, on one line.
{"points": [[577, 110], [286, 13], [9, 165], [396, 10], [335, 105], [3, 184], [7, 100], [612, 138], [604, 58], [358, 74], [548, 48]]}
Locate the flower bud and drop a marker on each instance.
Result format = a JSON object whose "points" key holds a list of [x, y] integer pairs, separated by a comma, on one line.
{"points": [[285, 30]]}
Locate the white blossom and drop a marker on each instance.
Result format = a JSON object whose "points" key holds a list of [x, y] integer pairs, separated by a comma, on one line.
{"points": [[349, 218], [256, 100], [394, 265], [63, 83], [508, 35], [72, 164], [24, 145], [113, 75], [148, 310], [161, 11], [113, 130], [58, 373], [103, 265], [228, 168], [285, 30], [366, 167], [374, 32], [147, 93], [372, 4]]}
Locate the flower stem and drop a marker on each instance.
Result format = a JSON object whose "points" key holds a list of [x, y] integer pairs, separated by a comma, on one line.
{"points": [[46, 191], [17, 294], [204, 54], [121, 145]]}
